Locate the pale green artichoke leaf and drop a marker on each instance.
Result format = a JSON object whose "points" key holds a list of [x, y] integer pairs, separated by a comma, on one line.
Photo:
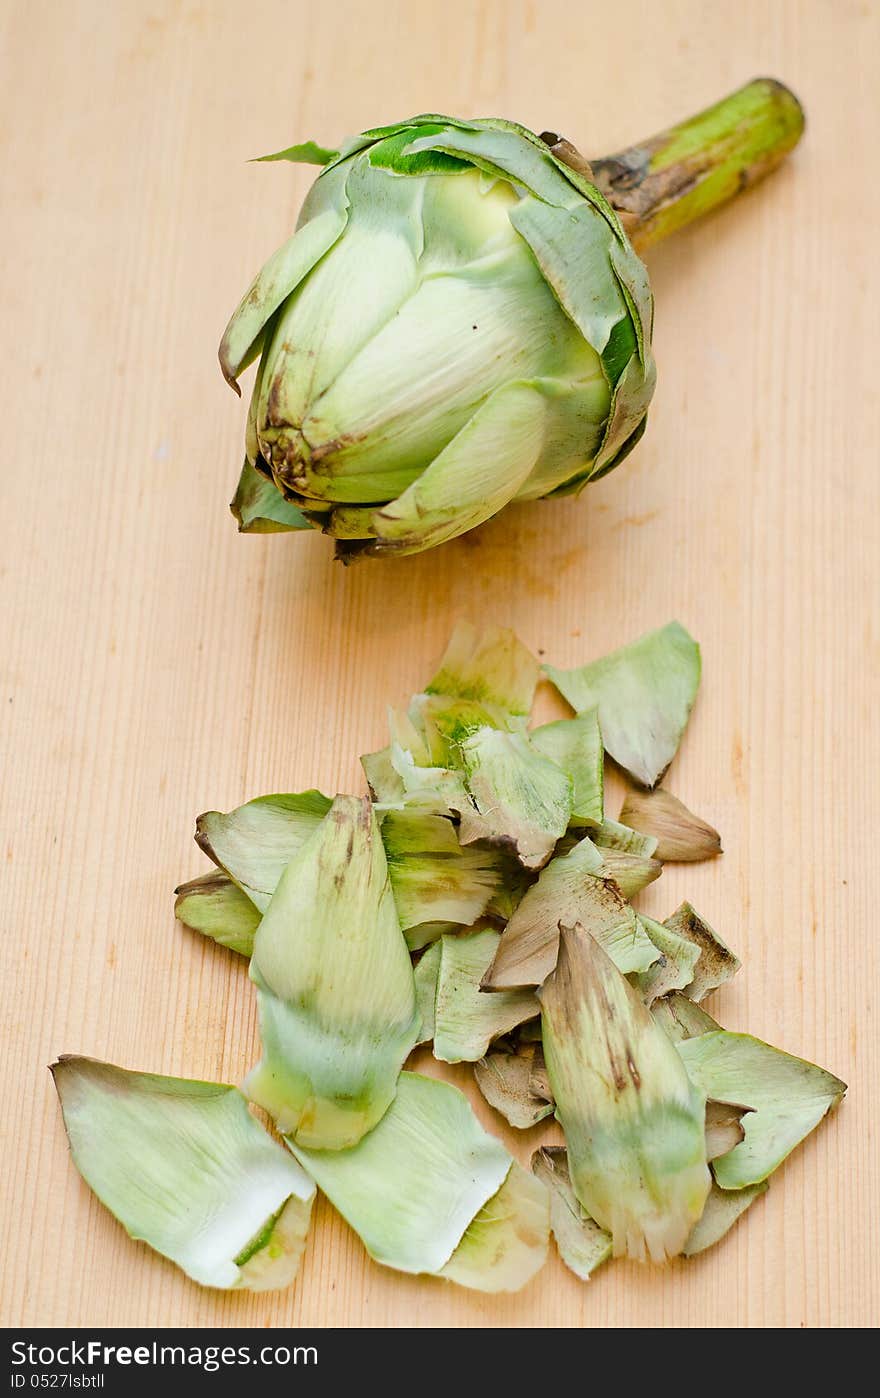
{"points": [[572, 247], [575, 745], [680, 835], [445, 723], [284, 271], [675, 968], [630, 398], [635, 283], [506, 1244], [184, 1167], [503, 152], [645, 692], [611, 834], [386, 785], [433, 878], [255, 842], [425, 977], [306, 153], [378, 133], [472, 478], [723, 1208], [413, 1185], [466, 1018], [571, 889], [335, 990], [788, 1098], [631, 872], [489, 666], [584, 186], [680, 1018], [503, 1079], [260, 508], [216, 907], [633, 1121], [715, 964], [580, 1242], [520, 798]]}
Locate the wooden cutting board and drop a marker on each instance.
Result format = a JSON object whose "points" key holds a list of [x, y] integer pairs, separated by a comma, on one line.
{"points": [[155, 664]]}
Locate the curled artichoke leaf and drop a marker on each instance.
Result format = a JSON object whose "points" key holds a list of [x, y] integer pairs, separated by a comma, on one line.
{"points": [[335, 989], [644, 692], [260, 508], [184, 1167], [216, 907], [633, 1123], [788, 1098], [255, 842]]}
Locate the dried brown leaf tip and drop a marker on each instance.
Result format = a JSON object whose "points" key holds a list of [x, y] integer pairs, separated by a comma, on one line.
{"points": [[682, 837]]}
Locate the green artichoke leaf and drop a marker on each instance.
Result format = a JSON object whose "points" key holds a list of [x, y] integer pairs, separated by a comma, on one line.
{"points": [[433, 878], [184, 1167], [645, 692], [788, 1098], [306, 153], [335, 988], [491, 666], [503, 1079], [466, 1018], [633, 1121], [575, 745], [472, 478], [216, 907], [503, 152], [573, 888], [506, 1243], [255, 842], [284, 271], [680, 1018], [260, 508], [412, 1186], [630, 398], [631, 872], [723, 1208], [385, 783], [715, 964], [425, 975], [681, 836], [580, 1242], [611, 834], [676, 966], [521, 799]]}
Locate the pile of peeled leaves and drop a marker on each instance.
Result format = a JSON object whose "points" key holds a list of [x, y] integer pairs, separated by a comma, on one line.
{"points": [[480, 901]]}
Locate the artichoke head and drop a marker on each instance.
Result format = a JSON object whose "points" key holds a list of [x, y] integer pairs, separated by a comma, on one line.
{"points": [[458, 321]]}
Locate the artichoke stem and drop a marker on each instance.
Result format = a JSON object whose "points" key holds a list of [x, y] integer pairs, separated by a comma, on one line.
{"points": [[668, 181]]}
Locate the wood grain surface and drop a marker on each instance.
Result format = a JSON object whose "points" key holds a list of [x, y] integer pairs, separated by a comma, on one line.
{"points": [[155, 664]]}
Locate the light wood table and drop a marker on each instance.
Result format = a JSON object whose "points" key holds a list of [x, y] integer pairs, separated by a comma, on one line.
{"points": [[154, 664]]}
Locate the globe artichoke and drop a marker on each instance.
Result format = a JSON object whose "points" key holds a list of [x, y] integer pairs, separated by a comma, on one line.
{"points": [[461, 320]]}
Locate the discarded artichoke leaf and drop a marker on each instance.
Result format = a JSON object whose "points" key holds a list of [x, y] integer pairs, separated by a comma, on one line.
{"points": [[255, 842], [539, 1078], [491, 667], [522, 799], [467, 1019], [503, 1079], [612, 835], [645, 692], [426, 933], [631, 872], [580, 1242], [788, 1098], [575, 745], [716, 963], [425, 977], [217, 908], [570, 889], [413, 1185], [724, 1128], [723, 1208], [675, 968], [680, 1018], [444, 725], [681, 836], [434, 789], [633, 1122], [335, 987], [507, 1242], [186, 1168], [386, 785], [433, 878]]}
